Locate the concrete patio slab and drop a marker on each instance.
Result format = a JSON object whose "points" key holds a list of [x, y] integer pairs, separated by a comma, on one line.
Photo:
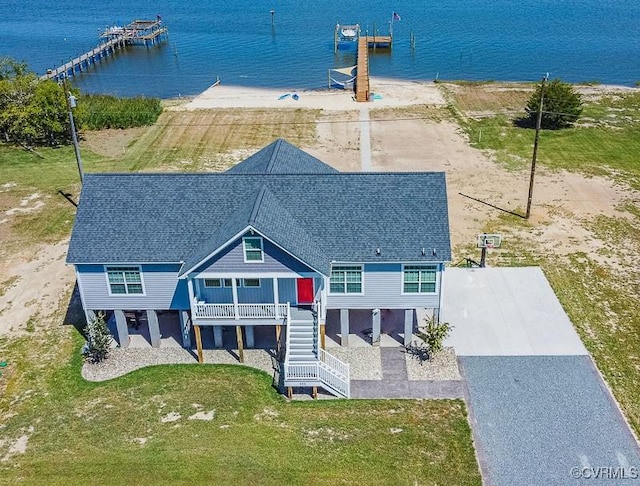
{"points": [[506, 312]]}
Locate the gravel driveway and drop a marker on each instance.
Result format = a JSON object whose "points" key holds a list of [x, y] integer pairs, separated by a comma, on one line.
{"points": [[547, 420]]}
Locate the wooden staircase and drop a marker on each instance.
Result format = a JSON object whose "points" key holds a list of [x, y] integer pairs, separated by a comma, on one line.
{"points": [[307, 365]]}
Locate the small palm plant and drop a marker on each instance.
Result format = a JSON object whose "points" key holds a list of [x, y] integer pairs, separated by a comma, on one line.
{"points": [[432, 336]]}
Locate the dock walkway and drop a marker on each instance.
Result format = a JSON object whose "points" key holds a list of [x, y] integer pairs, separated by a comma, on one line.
{"points": [[137, 32], [362, 76]]}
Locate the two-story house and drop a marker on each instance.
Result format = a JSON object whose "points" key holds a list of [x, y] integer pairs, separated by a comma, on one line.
{"points": [[280, 240]]}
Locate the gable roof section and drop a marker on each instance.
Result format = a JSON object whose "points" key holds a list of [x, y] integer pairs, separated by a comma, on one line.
{"points": [[342, 217], [281, 157], [267, 216]]}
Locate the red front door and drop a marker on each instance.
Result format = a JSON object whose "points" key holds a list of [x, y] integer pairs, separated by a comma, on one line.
{"points": [[305, 291]]}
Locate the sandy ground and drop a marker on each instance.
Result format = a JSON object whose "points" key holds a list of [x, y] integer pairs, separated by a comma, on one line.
{"points": [[31, 284], [393, 93]]}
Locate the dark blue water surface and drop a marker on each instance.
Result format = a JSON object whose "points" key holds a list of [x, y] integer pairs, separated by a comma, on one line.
{"points": [[576, 40]]}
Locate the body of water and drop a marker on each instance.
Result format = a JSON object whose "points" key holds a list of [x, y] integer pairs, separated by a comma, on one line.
{"points": [[510, 40]]}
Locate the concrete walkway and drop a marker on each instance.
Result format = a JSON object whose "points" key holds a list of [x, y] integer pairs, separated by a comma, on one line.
{"points": [[395, 381], [365, 140]]}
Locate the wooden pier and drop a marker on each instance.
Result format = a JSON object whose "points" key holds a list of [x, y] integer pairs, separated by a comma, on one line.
{"points": [[138, 32], [362, 74]]}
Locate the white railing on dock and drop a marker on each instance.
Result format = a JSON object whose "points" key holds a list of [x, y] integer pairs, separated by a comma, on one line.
{"points": [[244, 311]]}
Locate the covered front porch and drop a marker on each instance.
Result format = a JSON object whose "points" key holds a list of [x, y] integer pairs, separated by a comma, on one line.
{"points": [[224, 300]]}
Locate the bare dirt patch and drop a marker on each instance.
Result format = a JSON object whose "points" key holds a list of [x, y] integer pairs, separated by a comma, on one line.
{"points": [[37, 282]]}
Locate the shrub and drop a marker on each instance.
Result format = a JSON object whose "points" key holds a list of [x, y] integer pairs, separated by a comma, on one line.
{"points": [[98, 340], [561, 107]]}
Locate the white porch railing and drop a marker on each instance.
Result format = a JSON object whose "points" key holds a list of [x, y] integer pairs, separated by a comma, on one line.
{"points": [[244, 311]]}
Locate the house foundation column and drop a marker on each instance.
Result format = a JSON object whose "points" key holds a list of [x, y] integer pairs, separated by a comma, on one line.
{"points": [[89, 315], [185, 327], [154, 328], [344, 327], [217, 336], [123, 330], [249, 336], [375, 327], [408, 326]]}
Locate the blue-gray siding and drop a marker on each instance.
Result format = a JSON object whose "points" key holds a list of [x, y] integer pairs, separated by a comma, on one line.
{"points": [[231, 259], [163, 290], [382, 284]]}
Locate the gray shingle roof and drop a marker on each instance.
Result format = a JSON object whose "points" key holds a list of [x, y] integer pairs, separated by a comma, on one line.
{"points": [[280, 157], [319, 218]]}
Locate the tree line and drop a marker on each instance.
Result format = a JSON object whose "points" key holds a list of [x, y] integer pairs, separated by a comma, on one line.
{"points": [[33, 112]]}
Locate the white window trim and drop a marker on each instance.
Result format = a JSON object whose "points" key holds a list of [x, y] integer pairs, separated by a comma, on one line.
{"points": [[244, 283], [126, 294], [244, 249], [345, 293], [230, 286], [437, 287], [213, 286]]}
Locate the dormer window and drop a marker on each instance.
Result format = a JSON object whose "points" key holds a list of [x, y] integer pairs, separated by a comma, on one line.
{"points": [[253, 249]]}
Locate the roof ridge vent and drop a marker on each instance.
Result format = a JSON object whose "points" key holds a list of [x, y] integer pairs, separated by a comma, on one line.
{"points": [[274, 156], [256, 205]]}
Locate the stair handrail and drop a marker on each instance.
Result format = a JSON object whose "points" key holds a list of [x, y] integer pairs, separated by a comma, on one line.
{"points": [[287, 338], [334, 363]]}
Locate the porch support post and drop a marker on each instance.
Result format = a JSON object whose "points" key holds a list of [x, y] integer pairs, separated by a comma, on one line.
{"points": [[375, 330], [278, 332], [276, 297], [240, 346], [322, 336], [89, 315], [198, 343], [408, 326], [192, 298], [185, 327], [344, 327], [217, 336], [123, 331], [250, 338], [234, 289], [154, 328]]}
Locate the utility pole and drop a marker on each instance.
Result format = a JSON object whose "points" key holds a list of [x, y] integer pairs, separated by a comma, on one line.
{"points": [[71, 103], [535, 145]]}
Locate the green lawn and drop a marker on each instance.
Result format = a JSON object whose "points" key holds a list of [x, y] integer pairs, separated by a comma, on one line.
{"points": [[82, 433], [606, 143]]}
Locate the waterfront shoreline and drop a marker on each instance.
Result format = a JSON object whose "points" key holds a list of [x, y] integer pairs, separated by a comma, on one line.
{"points": [[386, 93]]}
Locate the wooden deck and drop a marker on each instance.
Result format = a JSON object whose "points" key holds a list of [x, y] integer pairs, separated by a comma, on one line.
{"points": [[362, 76]]}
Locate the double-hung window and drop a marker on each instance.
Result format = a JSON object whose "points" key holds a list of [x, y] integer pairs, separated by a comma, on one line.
{"points": [[419, 279], [346, 279], [125, 280], [252, 246], [212, 283]]}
